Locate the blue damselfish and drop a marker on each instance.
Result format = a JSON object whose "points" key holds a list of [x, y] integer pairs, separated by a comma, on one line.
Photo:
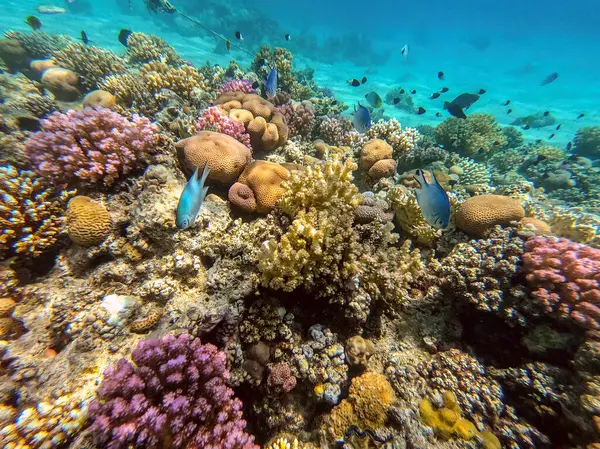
{"points": [[191, 199], [433, 201]]}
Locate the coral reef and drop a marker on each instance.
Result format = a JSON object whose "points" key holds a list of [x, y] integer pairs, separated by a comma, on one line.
{"points": [[88, 222], [300, 119], [212, 119], [477, 136], [40, 45], [281, 58], [259, 187], [587, 142], [63, 83], [143, 48], [401, 140], [479, 214], [409, 217]]}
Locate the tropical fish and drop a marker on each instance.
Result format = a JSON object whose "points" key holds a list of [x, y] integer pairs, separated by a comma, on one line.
{"points": [[362, 119], [402, 91], [481, 91], [580, 116], [465, 101], [404, 52], [421, 110], [33, 22], [444, 90], [354, 82], [395, 100], [434, 95], [228, 45], [438, 114], [558, 126], [506, 103], [239, 36], [441, 76], [363, 80], [569, 146], [433, 201], [550, 78], [84, 37], [509, 111], [288, 37], [124, 35], [271, 85], [374, 99], [546, 113], [414, 91], [191, 199], [50, 9], [551, 136], [455, 110]]}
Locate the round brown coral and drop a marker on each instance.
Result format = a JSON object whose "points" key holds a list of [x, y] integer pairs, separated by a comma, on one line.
{"points": [[88, 222], [144, 324], [7, 305], [264, 180], [373, 151], [382, 169], [242, 196], [63, 83], [6, 325], [225, 156], [479, 214], [100, 98]]}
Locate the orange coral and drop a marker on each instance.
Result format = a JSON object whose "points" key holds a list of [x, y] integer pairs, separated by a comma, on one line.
{"points": [[88, 222], [479, 214], [100, 98], [382, 169], [62, 83], [373, 151], [264, 180]]}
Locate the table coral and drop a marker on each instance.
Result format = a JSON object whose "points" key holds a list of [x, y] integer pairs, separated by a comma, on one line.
{"points": [[478, 135], [174, 394], [401, 140], [88, 222], [264, 181], [479, 214], [91, 145], [565, 278], [212, 119], [31, 213]]}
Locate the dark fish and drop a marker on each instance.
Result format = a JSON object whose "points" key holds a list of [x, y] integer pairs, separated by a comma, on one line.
{"points": [[551, 136], [444, 90], [438, 114], [441, 76], [506, 103], [354, 82], [455, 110], [255, 84], [496, 142], [539, 141], [33, 22], [546, 113], [84, 37], [239, 36], [558, 126], [464, 101], [433, 201], [396, 100], [421, 110], [580, 116], [435, 95], [374, 99], [526, 127], [414, 91], [550, 78], [404, 52], [569, 146], [362, 119], [402, 91], [363, 80], [228, 45], [481, 91], [124, 35], [509, 111], [288, 37]]}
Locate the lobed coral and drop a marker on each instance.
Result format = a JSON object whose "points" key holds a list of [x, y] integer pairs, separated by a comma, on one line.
{"points": [[174, 394], [91, 145], [31, 213], [143, 48], [212, 119], [479, 214], [401, 140], [259, 187], [479, 135], [565, 278]]}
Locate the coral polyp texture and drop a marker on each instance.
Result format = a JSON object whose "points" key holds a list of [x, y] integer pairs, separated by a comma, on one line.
{"points": [[92, 145], [565, 279], [174, 395], [236, 86], [212, 119]]}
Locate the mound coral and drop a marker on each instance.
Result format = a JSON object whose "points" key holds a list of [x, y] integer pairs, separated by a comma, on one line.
{"points": [[565, 278], [63, 83], [479, 135], [225, 156], [91, 63], [212, 119], [88, 222], [143, 48], [31, 213], [13, 55], [99, 98], [280, 378], [401, 140], [479, 214], [587, 142], [373, 151], [174, 395], [263, 181], [91, 145]]}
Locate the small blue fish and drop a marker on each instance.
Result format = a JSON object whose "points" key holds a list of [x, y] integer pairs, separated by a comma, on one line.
{"points": [[271, 85], [433, 201], [191, 199], [362, 119]]}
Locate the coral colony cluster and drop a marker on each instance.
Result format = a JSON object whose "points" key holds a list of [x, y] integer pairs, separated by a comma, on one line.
{"points": [[311, 302]]}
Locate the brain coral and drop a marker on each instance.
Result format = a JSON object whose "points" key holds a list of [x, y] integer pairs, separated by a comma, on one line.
{"points": [[63, 83], [373, 151], [476, 136], [382, 169], [225, 156], [88, 222], [479, 214], [264, 179]]}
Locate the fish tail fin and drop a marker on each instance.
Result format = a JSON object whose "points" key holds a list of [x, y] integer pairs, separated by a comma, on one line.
{"points": [[205, 173], [446, 105]]}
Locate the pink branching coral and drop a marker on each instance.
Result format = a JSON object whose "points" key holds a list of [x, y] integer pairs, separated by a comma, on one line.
{"points": [[280, 378], [236, 86], [565, 277], [213, 119], [300, 119], [91, 145]]}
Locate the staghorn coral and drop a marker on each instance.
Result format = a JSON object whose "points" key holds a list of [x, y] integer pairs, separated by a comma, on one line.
{"points": [[476, 136], [587, 142], [401, 140], [91, 63], [38, 44], [410, 218], [564, 278], [174, 394], [31, 213], [264, 182], [479, 214], [212, 119], [143, 48], [88, 222], [91, 145]]}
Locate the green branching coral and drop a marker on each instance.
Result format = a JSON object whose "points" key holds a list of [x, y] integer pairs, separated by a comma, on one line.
{"points": [[587, 142], [143, 48], [91, 63], [409, 217], [479, 135], [40, 45], [31, 213], [282, 59]]}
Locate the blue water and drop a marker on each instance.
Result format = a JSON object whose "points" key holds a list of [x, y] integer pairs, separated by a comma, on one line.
{"points": [[505, 47]]}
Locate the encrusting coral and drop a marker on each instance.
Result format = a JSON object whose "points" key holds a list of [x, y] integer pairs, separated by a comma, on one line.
{"points": [[478, 135]]}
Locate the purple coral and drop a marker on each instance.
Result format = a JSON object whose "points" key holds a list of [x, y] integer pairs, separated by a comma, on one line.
{"points": [[300, 119], [174, 396], [91, 145], [565, 277], [212, 119], [280, 378], [236, 86]]}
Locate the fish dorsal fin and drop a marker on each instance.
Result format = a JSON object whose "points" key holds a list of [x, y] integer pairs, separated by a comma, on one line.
{"points": [[420, 178]]}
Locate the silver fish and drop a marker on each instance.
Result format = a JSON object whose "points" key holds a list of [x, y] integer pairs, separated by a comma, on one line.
{"points": [[191, 199], [433, 201]]}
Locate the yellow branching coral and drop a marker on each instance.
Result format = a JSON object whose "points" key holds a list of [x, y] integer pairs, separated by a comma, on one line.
{"points": [[401, 140], [577, 225], [31, 212], [478, 135], [143, 48], [91, 63]]}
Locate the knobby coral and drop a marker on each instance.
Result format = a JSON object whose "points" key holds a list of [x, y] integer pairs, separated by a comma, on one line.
{"points": [[236, 86], [92, 145], [212, 119], [401, 140], [174, 395]]}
